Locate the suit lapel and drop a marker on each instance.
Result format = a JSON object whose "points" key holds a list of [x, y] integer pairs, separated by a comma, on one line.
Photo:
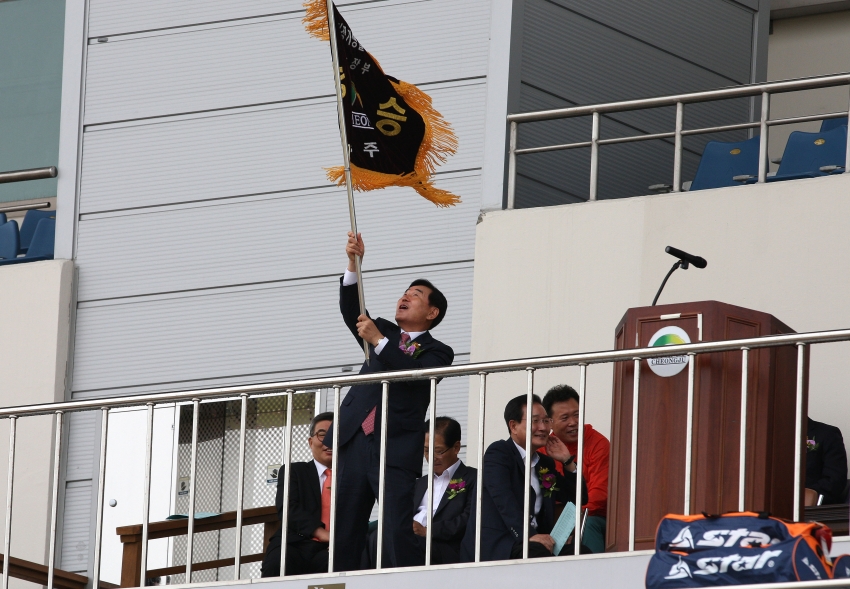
{"points": [[419, 492], [461, 473], [521, 463], [313, 478]]}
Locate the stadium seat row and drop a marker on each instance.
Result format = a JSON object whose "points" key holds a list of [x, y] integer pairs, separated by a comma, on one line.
{"points": [[806, 155], [34, 240]]}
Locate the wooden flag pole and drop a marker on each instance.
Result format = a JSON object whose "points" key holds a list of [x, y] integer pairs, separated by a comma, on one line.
{"points": [[346, 158]]}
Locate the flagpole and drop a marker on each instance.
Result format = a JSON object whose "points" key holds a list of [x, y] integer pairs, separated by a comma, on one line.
{"points": [[346, 159]]}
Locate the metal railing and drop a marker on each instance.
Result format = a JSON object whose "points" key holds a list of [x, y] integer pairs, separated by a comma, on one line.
{"points": [[32, 174], [481, 369], [29, 207], [764, 90]]}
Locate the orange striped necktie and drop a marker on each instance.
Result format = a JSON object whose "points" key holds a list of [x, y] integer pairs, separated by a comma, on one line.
{"points": [[326, 500]]}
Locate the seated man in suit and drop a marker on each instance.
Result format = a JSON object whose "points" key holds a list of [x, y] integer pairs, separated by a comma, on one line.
{"points": [[454, 487], [561, 403], [405, 344], [503, 477], [826, 462], [308, 523]]}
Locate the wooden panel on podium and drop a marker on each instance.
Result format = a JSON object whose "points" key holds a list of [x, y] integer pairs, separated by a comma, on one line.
{"points": [[662, 419]]}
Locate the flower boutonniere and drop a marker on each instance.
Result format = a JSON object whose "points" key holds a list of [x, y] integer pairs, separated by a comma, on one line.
{"points": [[811, 445], [456, 487], [413, 349], [548, 482]]}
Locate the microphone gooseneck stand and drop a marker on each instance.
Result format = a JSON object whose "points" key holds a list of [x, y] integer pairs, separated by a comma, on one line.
{"points": [[679, 264]]}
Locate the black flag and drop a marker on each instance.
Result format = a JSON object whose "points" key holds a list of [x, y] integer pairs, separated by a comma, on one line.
{"points": [[396, 136]]}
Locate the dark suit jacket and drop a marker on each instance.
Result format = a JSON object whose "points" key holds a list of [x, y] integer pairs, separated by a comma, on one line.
{"points": [[826, 464], [503, 477], [408, 401], [449, 521], [305, 502]]}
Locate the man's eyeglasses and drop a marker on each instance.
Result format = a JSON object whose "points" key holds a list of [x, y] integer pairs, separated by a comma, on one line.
{"points": [[437, 452], [320, 435]]}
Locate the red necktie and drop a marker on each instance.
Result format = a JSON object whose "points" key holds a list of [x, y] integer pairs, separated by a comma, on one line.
{"points": [[326, 500]]}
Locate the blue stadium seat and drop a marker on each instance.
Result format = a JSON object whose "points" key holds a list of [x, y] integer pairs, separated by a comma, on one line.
{"points": [[31, 220], [43, 240], [10, 241], [830, 124], [2, 218], [721, 162], [807, 153], [41, 246]]}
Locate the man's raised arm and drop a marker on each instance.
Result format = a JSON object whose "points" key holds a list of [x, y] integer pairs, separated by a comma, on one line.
{"points": [[349, 301]]}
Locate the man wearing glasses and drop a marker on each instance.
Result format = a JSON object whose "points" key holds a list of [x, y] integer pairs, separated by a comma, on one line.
{"points": [[308, 524], [503, 477], [454, 492]]}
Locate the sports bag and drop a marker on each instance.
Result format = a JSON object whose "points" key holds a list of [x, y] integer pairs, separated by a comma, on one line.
{"points": [[737, 549]]}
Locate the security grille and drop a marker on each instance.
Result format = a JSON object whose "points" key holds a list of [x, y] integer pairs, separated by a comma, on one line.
{"points": [[217, 472]]}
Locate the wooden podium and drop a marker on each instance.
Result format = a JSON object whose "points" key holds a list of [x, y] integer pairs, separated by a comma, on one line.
{"points": [[662, 419]]}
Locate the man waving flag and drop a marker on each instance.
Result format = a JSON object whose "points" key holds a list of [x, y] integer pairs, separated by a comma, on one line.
{"points": [[396, 137]]}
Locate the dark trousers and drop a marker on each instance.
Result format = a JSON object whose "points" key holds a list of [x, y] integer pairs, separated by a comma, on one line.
{"points": [[441, 552], [357, 489], [302, 558]]}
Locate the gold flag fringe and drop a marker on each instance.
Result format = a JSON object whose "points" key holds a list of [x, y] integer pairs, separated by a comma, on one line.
{"points": [[438, 142], [316, 19], [364, 180]]}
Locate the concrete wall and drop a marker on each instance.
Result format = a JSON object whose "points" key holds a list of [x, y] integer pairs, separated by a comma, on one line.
{"points": [[35, 300], [801, 48], [557, 280]]}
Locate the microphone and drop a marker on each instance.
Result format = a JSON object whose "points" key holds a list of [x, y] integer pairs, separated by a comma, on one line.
{"points": [[686, 257], [685, 260]]}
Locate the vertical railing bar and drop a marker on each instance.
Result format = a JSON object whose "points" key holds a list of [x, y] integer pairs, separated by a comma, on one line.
{"points": [[633, 463], [579, 457], [54, 502], [526, 500], [432, 416], [101, 483], [677, 150], [479, 484], [765, 111], [594, 157], [798, 428], [382, 468], [146, 499], [190, 533], [742, 456], [512, 167], [847, 147], [287, 465], [689, 434], [10, 485], [334, 478], [240, 485]]}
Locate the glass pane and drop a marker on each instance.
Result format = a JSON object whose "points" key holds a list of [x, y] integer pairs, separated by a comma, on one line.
{"points": [[31, 36]]}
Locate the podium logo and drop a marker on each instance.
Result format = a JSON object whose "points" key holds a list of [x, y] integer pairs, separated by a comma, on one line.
{"points": [[668, 365]]}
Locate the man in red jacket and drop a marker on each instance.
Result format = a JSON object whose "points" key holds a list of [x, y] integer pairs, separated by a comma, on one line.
{"points": [[561, 403]]}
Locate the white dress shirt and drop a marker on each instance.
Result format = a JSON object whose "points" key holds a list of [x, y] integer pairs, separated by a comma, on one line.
{"points": [[323, 473], [350, 278], [535, 483], [441, 483]]}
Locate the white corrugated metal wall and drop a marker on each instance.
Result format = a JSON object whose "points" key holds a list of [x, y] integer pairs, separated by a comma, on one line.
{"points": [[209, 241]]}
